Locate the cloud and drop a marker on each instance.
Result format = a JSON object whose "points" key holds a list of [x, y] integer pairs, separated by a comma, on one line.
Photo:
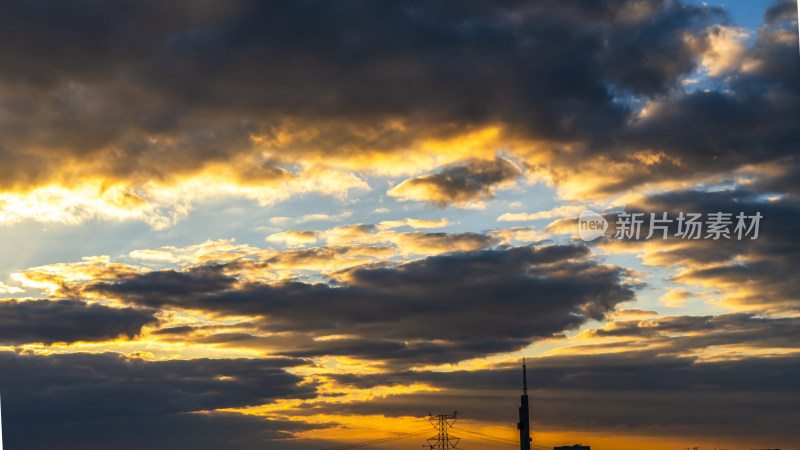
{"points": [[746, 275], [68, 321], [432, 309], [459, 184], [748, 124], [135, 117], [675, 298], [683, 334], [413, 223], [325, 217], [294, 238], [350, 234], [408, 243], [322, 259], [435, 243], [57, 277], [515, 235], [560, 211], [311, 218], [87, 400], [782, 10], [634, 312], [221, 250], [90, 136], [156, 288], [105, 142], [726, 51], [161, 203], [6, 289]]}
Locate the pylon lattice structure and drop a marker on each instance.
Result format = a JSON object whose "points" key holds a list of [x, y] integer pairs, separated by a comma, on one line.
{"points": [[443, 439]]}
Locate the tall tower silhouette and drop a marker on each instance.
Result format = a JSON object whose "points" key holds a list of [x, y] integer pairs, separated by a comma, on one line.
{"points": [[524, 424]]}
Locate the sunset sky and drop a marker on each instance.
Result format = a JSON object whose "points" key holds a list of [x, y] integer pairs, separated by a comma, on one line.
{"points": [[298, 225]]}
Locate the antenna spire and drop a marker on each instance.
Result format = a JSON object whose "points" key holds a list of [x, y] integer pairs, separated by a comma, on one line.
{"points": [[524, 377]]}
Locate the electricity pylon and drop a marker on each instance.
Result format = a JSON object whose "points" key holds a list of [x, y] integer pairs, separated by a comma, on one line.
{"points": [[443, 439]]}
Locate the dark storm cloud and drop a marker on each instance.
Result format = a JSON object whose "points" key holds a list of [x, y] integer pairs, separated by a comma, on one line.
{"points": [[125, 92], [88, 400], [474, 180], [619, 392], [782, 10], [88, 77], [442, 308], [161, 287], [649, 57], [210, 431], [68, 321], [754, 120]]}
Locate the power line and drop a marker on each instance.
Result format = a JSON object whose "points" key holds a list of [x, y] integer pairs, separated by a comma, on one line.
{"points": [[504, 440], [498, 439], [377, 441]]}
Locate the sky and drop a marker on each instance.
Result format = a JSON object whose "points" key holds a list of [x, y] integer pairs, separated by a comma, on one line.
{"points": [[301, 225]]}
